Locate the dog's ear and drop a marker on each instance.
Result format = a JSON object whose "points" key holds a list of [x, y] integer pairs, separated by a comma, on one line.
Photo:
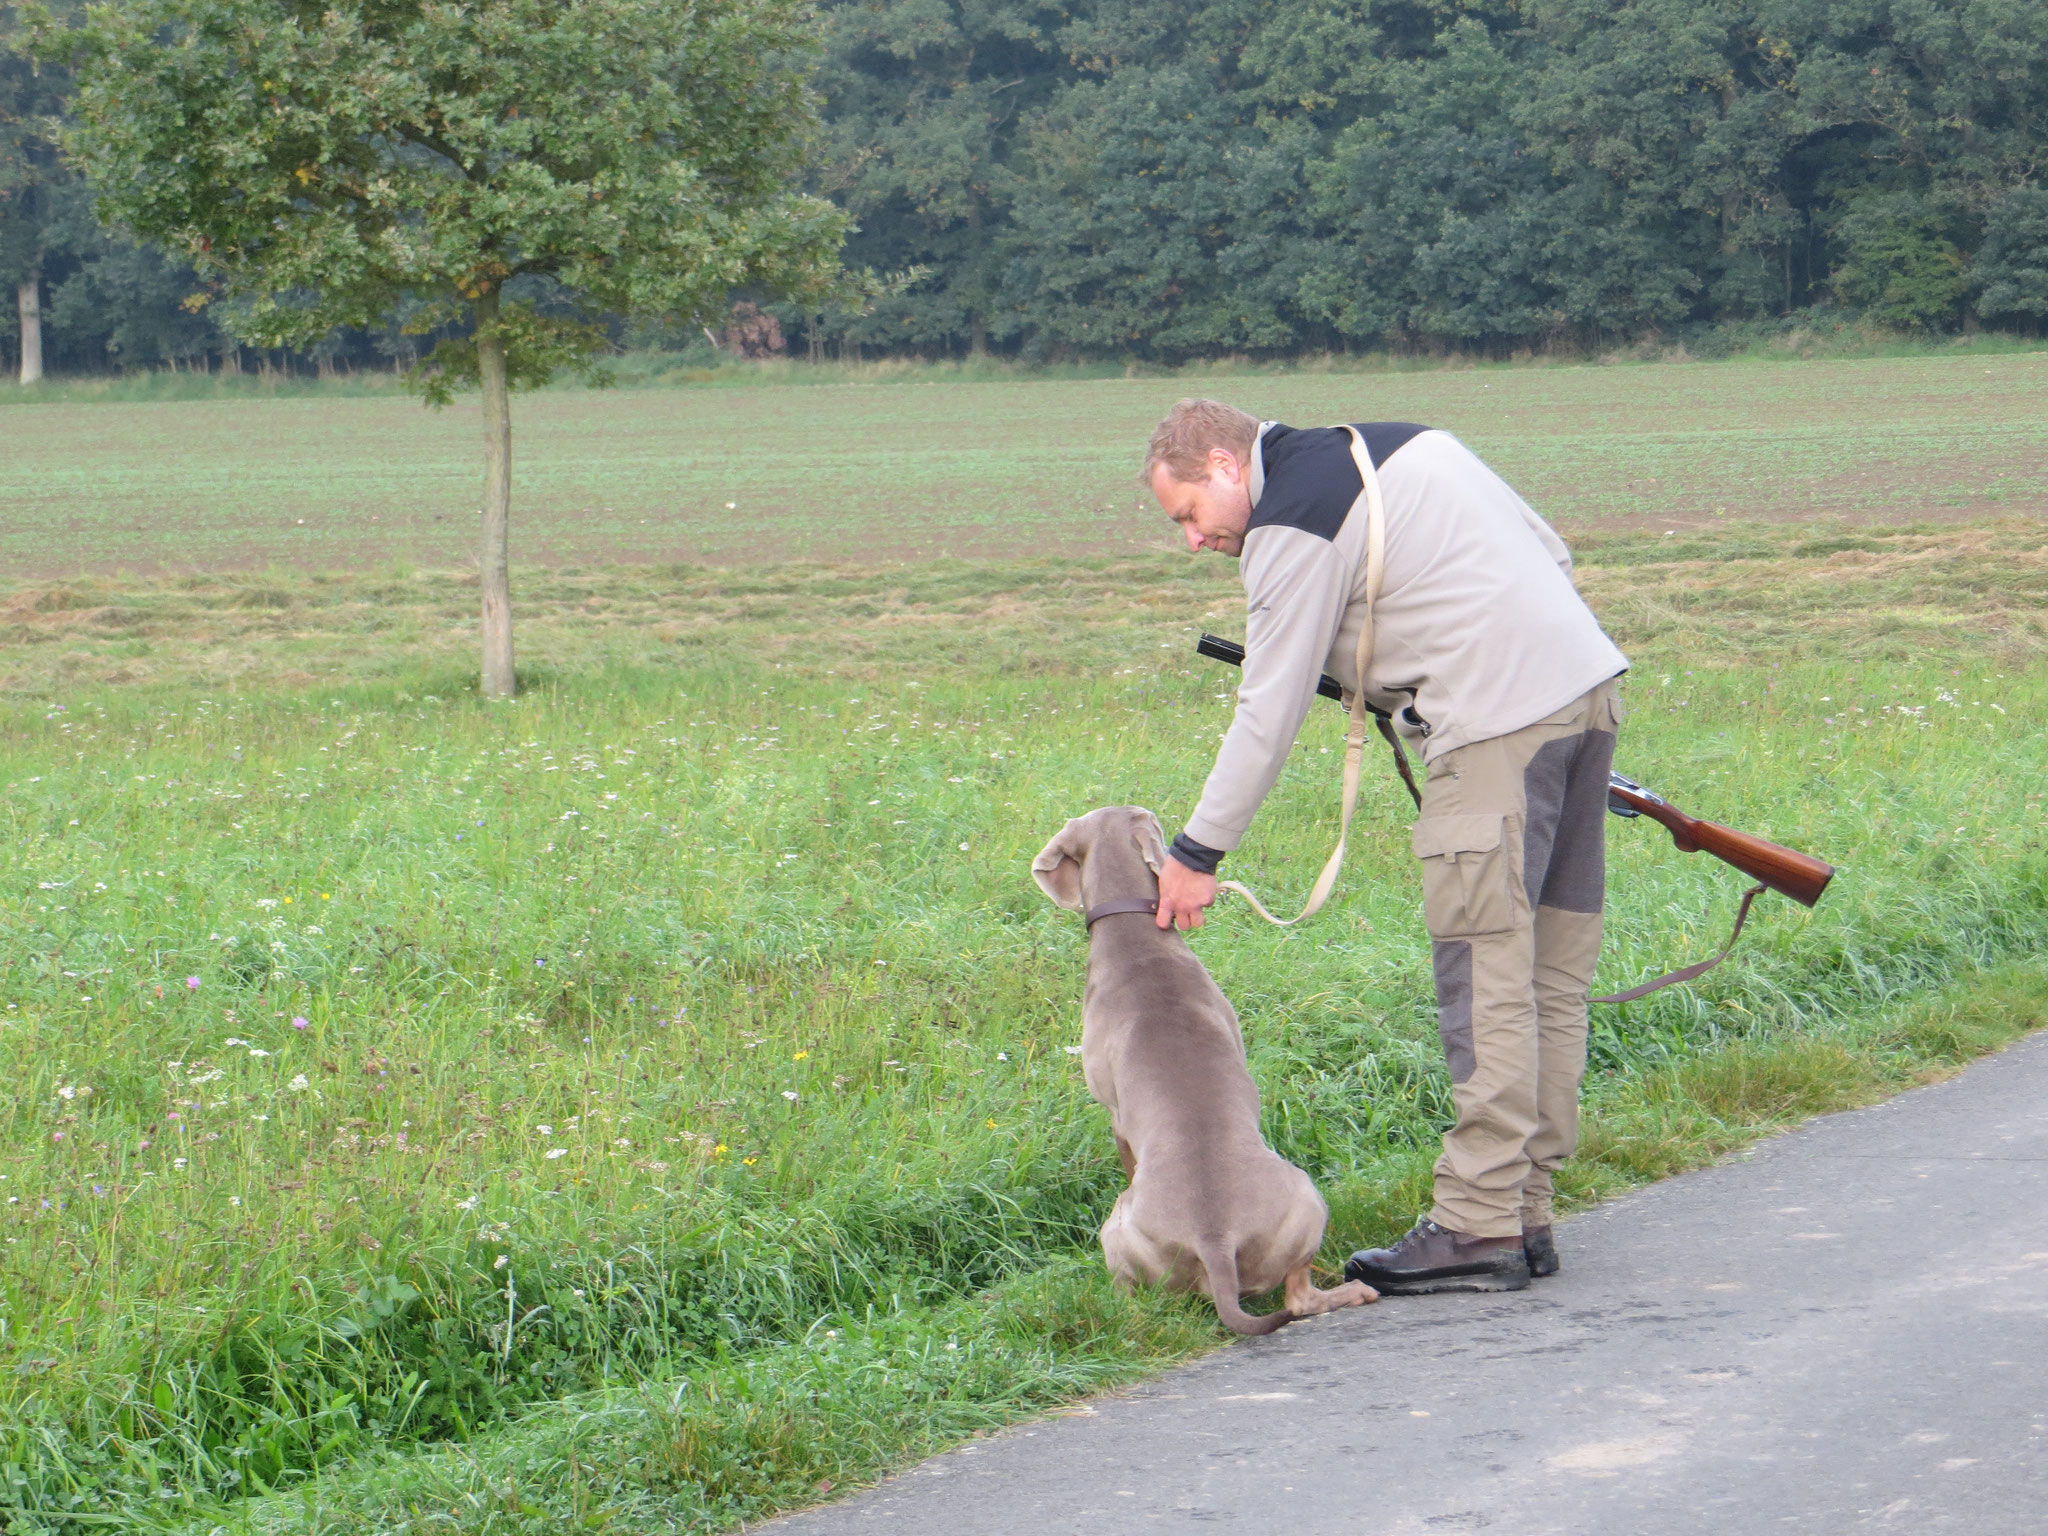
{"points": [[1057, 869], [1150, 840]]}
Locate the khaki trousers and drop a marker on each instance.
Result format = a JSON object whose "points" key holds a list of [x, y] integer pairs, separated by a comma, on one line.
{"points": [[1512, 837]]}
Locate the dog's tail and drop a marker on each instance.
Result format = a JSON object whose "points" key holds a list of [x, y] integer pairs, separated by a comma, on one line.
{"points": [[1221, 1262]]}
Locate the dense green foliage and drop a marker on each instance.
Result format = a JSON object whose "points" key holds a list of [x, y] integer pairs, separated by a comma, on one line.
{"points": [[1116, 178], [1126, 176]]}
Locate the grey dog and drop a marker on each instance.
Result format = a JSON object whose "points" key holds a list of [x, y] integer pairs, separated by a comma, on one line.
{"points": [[1210, 1206]]}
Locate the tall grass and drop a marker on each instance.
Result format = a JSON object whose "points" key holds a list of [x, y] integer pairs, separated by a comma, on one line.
{"points": [[687, 1045]]}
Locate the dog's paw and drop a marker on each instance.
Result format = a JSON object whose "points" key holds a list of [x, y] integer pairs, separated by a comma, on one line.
{"points": [[1356, 1293]]}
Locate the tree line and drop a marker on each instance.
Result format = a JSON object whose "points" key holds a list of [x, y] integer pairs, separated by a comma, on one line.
{"points": [[1172, 179], [1137, 178]]}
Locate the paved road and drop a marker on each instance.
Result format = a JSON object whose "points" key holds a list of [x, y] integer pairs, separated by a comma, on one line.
{"points": [[1844, 1331]]}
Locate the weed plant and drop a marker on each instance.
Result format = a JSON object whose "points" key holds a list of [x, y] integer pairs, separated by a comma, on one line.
{"points": [[656, 1100]]}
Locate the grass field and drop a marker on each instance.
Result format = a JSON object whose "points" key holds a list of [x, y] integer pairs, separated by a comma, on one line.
{"points": [[925, 464], [651, 1103]]}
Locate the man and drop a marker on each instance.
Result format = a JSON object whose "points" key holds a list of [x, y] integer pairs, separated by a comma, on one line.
{"points": [[1491, 663]]}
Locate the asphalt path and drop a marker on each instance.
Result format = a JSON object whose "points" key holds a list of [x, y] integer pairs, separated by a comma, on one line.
{"points": [[1844, 1330]]}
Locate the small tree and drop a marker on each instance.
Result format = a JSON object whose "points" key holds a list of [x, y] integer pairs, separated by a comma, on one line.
{"points": [[324, 161]]}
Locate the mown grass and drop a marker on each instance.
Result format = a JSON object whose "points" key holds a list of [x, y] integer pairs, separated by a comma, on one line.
{"points": [[859, 470], [647, 1102]]}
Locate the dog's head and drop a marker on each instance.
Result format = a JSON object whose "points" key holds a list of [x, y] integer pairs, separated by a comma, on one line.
{"points": [[1059, 864]]}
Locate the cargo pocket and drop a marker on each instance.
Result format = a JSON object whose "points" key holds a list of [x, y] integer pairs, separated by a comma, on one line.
{"points": [[1468, 882]]}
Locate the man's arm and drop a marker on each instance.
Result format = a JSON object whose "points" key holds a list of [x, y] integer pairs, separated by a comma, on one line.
{"points": [[1296, 589], [1546, 535]]}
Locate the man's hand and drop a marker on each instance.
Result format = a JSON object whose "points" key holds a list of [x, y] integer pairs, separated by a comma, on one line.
{"points": [[1183, 893]]}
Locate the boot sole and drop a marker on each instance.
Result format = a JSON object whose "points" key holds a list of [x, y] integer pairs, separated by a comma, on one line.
{"points": [[1450, 1283]]}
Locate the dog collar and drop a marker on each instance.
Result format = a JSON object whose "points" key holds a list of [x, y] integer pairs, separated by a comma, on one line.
{"points": [[1122, 904]]}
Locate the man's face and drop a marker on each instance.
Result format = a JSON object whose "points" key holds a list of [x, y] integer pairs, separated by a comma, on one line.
{"points": [[1213, 512]]}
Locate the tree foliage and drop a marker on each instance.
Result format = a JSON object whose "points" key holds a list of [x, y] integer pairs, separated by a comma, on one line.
{"points": [[322, 162], [2012, 263], [1269, 175], [1137, 178]]}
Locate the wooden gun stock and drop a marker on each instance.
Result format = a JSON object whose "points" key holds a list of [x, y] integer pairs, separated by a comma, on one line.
{"points": [[1785, 870]]}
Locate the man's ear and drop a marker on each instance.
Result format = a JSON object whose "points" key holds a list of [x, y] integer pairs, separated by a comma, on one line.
{"points": [[1057, 869], [1150, 840]]}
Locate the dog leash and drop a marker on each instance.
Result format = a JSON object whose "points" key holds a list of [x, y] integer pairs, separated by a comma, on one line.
{"points": [[1354, 736]]}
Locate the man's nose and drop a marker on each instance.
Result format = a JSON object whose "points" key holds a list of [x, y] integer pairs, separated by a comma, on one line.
{"points": [[1194, 538]]}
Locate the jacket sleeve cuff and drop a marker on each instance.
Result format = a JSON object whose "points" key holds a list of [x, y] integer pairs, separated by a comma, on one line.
{"points": [[1199, 857], [1203, 831]]}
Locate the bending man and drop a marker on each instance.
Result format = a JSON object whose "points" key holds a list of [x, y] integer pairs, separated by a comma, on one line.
{"points": [[1494, 667]]}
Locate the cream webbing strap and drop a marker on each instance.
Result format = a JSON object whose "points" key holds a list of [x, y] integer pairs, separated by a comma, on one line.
{"points": [[1354, 738]]}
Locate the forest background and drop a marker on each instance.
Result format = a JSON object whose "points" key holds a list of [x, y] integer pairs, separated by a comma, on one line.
{"points": [[1142, 181]]}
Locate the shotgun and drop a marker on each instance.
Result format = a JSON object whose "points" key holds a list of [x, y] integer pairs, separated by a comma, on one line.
{"points": [[1784, 870]]}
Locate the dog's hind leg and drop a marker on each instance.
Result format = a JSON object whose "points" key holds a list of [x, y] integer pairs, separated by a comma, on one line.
{"points": [[1304, 1300], [1124, 1250]]}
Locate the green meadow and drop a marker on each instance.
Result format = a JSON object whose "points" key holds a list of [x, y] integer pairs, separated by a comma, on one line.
{"points": [[654, 1102]]}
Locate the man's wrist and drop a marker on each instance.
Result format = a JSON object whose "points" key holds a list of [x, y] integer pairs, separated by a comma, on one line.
{"points": [[1199, 857]]}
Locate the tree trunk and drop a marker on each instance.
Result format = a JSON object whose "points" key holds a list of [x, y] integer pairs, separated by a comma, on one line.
{"points": [[29, 296], [493, 562]]}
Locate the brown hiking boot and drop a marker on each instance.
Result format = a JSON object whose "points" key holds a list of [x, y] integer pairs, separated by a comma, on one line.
{"points": [[1539, 1249], [1433, 1258]]}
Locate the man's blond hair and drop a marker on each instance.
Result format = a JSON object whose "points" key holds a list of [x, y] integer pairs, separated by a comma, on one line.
{"points": [[1193, 427]]}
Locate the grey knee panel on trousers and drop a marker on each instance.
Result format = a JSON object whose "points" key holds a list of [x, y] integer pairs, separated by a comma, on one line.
{"points": [[1453, 962], [1564, 843]]}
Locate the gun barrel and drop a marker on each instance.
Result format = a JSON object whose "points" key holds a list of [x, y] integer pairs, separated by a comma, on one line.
{"points": [[1230, 653]]}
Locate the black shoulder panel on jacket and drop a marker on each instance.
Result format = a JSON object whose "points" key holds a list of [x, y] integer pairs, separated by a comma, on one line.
{"points": [[1311, 480], [1383, 439]]}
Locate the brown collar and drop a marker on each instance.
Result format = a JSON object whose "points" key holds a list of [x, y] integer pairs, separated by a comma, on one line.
{"points": [[1122, 904]]}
